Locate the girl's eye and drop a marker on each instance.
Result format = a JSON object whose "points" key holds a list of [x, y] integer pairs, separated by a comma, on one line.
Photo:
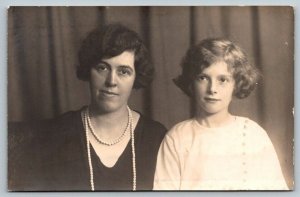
{"points": [[224, 79]]}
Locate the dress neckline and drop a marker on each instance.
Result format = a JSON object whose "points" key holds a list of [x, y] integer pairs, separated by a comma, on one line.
{"points": [[126, 152], [228, 125]]}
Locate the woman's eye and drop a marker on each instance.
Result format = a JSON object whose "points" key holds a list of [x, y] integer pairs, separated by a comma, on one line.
{"points": [[124, 71], [101, 68], [201, 78]]}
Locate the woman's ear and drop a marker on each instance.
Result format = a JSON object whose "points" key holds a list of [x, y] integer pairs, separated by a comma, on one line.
{"points": [[190, 89]]}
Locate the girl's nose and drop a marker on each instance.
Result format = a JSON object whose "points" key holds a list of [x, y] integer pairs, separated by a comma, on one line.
{"points": [[212, 88]]}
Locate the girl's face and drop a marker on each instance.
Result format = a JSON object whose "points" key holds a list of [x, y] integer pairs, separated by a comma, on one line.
{"points": [[111, 82], [213, 88]]}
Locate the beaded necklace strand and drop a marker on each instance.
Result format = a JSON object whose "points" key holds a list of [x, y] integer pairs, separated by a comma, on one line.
{"points": [[113, 141], [88, 125]]}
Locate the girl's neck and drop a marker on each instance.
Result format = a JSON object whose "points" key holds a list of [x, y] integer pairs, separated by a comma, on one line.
{"points": [[214, 120]]}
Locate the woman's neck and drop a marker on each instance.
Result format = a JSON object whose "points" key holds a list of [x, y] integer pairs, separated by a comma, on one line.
{"points": [[109, 124], [214, 120]]}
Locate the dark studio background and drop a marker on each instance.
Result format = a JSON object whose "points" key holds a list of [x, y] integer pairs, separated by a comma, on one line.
{"points": [[42, 56]]}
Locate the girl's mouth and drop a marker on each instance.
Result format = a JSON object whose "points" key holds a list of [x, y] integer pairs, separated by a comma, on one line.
{"points": [[208, 99]]}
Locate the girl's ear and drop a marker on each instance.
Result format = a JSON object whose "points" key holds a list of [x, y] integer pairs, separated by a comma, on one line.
{"points": [[235, 90]]}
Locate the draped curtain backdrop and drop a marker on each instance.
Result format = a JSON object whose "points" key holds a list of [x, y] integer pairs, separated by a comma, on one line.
{"points": [[42, 56]]}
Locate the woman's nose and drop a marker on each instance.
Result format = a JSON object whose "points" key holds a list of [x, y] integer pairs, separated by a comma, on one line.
{"points": [[111, 79]]}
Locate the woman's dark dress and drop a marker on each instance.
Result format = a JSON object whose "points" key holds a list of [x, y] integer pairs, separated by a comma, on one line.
{"points": [[52, 156]]}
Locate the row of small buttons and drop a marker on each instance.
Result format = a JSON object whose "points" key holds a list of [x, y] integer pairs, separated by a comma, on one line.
{"points": [[244, 168]]}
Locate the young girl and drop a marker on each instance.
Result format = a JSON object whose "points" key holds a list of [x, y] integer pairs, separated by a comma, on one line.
{"points": [[216, 150]]}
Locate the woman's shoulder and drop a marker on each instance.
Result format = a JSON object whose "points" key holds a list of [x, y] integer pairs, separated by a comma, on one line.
{"points": [[28, 132], [151, 125], [31, 143], [149, 132], [66, 117]]}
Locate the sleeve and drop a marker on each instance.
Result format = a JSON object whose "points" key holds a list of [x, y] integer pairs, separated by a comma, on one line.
{"points": [[167, 173], [277, 180], [270, 164]]}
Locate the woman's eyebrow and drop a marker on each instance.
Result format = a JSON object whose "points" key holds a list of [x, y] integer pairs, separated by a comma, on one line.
{"points": [[204, 74], [125, 66], [103, 62]]}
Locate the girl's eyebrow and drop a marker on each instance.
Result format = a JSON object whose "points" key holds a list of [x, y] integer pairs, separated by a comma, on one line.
{"points": [[226, 75], [221, 75]]}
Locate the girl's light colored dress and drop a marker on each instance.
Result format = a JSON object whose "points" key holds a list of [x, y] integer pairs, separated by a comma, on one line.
{"points": [[238, 156]]}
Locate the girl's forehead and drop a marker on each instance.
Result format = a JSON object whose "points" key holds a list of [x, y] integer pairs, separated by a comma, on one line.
{"points": [[218, 67]]}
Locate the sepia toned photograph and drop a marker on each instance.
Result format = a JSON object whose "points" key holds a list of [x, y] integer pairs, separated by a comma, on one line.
{"points": [[150, 98]]}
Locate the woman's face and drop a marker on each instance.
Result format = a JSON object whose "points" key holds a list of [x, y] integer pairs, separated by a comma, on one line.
{"points": [[111, 82], [213, 88]]}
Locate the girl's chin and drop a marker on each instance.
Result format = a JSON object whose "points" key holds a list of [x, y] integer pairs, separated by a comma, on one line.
{"points": [[212, 111]]}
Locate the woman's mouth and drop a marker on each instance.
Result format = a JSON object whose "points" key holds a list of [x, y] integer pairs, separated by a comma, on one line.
{"points": [[108, 93]]}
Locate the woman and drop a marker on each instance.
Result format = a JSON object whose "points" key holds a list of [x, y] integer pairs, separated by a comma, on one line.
{"points": [[103, 146], [216, 150]]}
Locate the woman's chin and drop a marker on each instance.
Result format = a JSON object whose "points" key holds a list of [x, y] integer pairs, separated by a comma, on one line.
{"points": [[107, 107]]}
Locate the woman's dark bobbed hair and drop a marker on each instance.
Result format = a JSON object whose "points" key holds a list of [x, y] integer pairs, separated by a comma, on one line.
{"points": [[212, 50], [111, 40]]}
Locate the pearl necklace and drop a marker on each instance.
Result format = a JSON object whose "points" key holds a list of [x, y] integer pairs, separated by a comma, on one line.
{"points": [[87, 127], [98, 138]]}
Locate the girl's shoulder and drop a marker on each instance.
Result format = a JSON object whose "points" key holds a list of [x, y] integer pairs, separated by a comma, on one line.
{"points": [[182, 124], [248, 123], [253, 131], [181, 129]]}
